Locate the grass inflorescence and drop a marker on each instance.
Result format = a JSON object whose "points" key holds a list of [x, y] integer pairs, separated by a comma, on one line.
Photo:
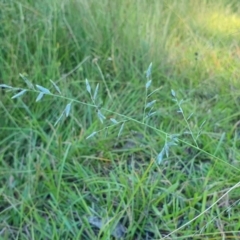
{"points": [[124, 121]]}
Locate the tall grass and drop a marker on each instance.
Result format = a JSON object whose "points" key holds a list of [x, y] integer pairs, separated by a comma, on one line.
{"points": [[55, 183]]}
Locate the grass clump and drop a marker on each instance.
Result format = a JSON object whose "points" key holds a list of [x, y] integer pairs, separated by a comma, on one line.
{"points": [[95, 144]]}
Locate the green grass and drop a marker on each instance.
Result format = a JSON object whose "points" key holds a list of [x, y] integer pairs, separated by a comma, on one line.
{"points": [[53, 180]]}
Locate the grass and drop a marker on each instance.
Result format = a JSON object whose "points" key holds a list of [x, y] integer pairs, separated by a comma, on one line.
{"points": [[56, 184]]}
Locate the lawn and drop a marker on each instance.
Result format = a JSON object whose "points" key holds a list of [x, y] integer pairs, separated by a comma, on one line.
{"points": [[119, 119]]}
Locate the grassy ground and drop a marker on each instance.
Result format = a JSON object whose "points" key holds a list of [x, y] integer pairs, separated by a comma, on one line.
{"points": [[56, 184]]}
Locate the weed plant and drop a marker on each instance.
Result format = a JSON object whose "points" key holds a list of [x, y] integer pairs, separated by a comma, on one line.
{"points": [[92, 146], [118, 231]]}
